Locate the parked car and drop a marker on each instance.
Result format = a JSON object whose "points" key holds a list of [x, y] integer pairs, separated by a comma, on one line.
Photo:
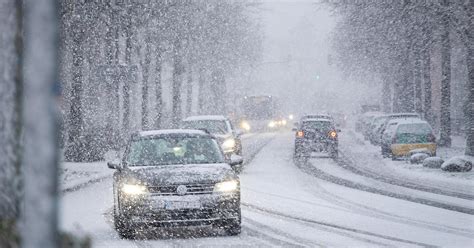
{"points": [[229, 138], [316, 135], [405, 135], [175, 178]]}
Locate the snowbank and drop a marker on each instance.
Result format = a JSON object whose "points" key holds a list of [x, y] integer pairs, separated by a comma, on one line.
{"points": [[418, 158], [433, 162], [458, 164]]}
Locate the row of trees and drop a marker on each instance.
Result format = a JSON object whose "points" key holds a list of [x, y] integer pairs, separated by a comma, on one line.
{"points": [[400, 41], [120, 57]]}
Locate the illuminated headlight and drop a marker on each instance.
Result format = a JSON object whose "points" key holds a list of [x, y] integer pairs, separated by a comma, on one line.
{"points": [[291, 117], [226, 187], [272, 124], [283, 122], [134, 189], [245, 126], [228, 144]]}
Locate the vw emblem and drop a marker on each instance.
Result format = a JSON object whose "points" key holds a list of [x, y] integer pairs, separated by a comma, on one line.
{"points": [[181, 190]]}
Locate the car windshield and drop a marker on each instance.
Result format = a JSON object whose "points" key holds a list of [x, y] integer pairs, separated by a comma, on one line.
{"points": [[212, 126], [171, 150], [421, 128], [317, 125]]}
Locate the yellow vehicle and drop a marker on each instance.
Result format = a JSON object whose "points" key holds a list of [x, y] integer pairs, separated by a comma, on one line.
{"points": [[412, 134]]}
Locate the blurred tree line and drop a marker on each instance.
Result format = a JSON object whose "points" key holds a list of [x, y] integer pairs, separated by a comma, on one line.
{"points": [[407, 43], [117, 54]]}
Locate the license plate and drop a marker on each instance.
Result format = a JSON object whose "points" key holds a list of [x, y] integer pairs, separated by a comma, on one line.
{"points": [[182, 204]]}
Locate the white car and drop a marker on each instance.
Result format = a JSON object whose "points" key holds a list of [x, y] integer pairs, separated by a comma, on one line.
{"points": [[219, 126]]}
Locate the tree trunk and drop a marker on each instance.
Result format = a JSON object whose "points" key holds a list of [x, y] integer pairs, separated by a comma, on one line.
{"points": [[158, 89], [11, 97], [126, 83], [189, 92], [74, 149], [387, 95], [146, 69], [41, 158], [469, 106], [201, 92], [428, 115], [445, 118], [417, 82], [176, 88]]}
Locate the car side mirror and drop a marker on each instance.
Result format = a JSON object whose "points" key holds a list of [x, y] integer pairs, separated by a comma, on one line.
{"points": [[115, 164], [235, 160], [294, 129]]}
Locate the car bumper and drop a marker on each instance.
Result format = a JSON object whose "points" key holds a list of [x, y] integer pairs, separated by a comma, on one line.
{"points": [[152, 211], [404, 149]]}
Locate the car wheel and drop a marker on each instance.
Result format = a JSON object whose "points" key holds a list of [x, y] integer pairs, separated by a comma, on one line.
{"points": [[333, 152], [122, 226]]}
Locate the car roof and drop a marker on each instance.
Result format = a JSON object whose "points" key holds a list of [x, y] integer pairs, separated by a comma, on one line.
{"points": [[411, 121], [403, 114], [408, 119], [160, 132], [316, 119], [206, 117]]}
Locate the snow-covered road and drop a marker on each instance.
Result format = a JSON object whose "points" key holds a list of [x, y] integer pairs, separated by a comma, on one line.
{"points": [[285, 204]]}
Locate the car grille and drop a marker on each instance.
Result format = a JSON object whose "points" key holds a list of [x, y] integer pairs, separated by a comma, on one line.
{"points": [[182, 214], [192, 189]]}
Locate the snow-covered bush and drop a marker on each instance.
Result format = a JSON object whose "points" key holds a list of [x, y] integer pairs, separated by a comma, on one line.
{"points": [[457, 164], [418, 158], [433, 162]]}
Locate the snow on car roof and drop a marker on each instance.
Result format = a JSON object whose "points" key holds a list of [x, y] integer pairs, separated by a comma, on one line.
{"points": [[316, 119], [408, 121], [206, 117], [170, 131], [404, 114]]}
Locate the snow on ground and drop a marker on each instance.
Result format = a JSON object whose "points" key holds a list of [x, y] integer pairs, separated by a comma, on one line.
{"points": [[284, 206], [272, 182], [369, 159]]}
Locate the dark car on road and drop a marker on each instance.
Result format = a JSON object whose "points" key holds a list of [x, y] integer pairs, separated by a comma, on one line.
{"points": [[170, 178], [316, 135]]}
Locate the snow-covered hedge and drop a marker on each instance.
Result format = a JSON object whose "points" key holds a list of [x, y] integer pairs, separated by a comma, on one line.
{"points": [[433, 162], [418, 158], [458, 164]]}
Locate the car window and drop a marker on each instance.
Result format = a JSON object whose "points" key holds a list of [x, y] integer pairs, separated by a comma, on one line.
{"points": [[163, 151], [212, 126], [317, 125], [421, 128]]}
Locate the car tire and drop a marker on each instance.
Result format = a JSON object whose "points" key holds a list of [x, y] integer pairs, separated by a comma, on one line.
{"points": [[123, 227], [333, 153]]}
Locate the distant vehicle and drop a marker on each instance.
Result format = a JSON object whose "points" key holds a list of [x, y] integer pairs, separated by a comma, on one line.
{"points": [[229, 138], [260, 113], [405, 135], [375, 129], [317, 116], [394, 116], [316, 135], [364, 120], [175, 178]]}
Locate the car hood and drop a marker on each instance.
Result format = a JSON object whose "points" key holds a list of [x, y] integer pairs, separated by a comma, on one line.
{"points": [[182, 174]]}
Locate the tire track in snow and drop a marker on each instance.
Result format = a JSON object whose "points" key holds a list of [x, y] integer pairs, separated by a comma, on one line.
{"points": [[335, 226], [308, 168]]}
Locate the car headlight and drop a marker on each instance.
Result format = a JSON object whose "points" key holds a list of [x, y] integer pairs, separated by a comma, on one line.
{"points": [[227, 186], [228, 144], [245, 126], [272, 124], [134, 189]]}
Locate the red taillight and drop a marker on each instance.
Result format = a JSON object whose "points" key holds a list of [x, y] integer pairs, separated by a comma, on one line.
{"points": [[333, 134], [300, 134]]}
